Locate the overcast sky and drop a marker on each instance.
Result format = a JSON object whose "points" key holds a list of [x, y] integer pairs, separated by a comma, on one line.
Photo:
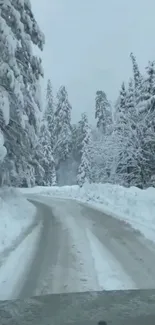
{"points": [[88, 43]]}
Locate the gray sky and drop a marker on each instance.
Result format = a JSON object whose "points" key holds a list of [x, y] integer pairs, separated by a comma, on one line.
{"points": [[88, 43]]}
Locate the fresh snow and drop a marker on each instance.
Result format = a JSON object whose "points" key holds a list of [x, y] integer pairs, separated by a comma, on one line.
{"points": [[132, 205], [18, 239], [11, 275], [16, 216]]}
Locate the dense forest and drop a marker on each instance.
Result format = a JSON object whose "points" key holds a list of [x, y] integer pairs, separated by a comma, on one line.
{"points": [[40, 145]]}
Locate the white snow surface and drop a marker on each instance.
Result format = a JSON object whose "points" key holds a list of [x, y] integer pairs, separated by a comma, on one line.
{"points": [[93, 267], [114, 277], [16, 215], [11, 275], [132, 205]]}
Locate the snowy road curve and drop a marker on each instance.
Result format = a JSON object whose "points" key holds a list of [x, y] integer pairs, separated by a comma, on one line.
{"points": [[81, 249]]}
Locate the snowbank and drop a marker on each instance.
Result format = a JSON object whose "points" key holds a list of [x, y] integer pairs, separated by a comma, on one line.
{"points": [[11, 275], [16, 216], [132, 205]]}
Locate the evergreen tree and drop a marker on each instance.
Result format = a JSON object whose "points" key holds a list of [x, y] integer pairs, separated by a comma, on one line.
{"points": [[19, 80], [122, 138], [49, 111], [102, 111], [46, 140], [100, 156], [146, 118], [150, 80], [84, 171], [121, 113], [147, 139], [81, 133], [138, 80], [62, 126], [130, 105], [47, 159], [75, 145]]}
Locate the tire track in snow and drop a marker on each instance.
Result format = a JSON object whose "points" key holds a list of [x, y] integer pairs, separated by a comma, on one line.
{"points": [[109, 272]]}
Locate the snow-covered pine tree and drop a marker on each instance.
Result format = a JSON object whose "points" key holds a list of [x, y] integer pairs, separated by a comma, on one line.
{"points": [[46, 141], [138, 80], [130, 104], [75, 142], [37, 163], [100, 156], [146, 127], [84, 171], [76, 151], [62, 128], [127, 142], [19, 78], [78, 135], [121, 108], [81, 133], [49, 110], [136, 72], [47, 159], [149, 81], [103, 112], [120, 138], [147, 124]]}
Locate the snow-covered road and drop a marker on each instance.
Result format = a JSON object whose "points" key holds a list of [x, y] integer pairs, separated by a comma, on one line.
{"points": [[76, 248]]}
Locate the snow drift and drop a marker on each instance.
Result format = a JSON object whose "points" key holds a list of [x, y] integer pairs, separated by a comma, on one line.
{"points": [[132, 205], [16, 216]]}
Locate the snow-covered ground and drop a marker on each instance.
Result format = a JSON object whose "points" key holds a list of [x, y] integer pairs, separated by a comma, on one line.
{"points": [[105, 263], [91, 266], [17, 240], [16, 216], [132, 205], [11, 273]]}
